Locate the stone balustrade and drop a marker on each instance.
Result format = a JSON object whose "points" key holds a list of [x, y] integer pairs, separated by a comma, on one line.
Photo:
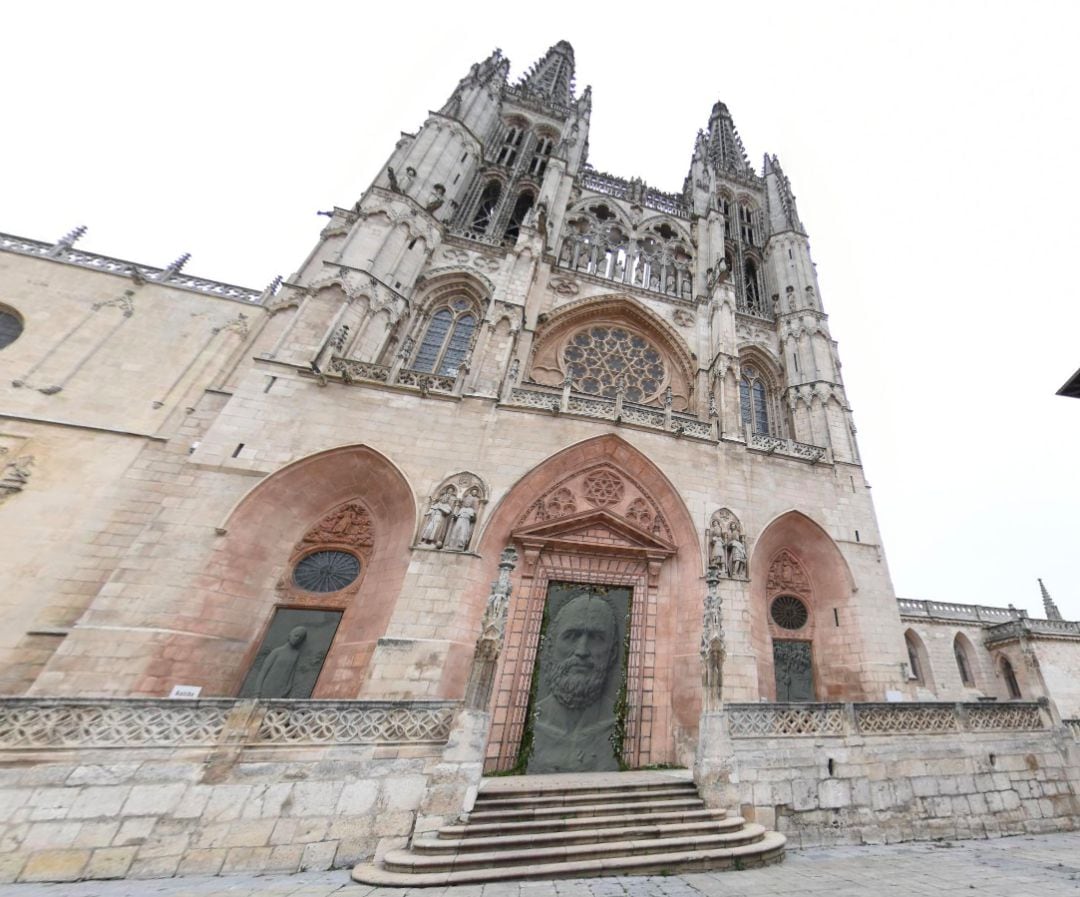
{"points": [[109, 265], [902, 718], [1026, 626], [1073, 725], [977, 613], [787, 448], [544, 398], [350, 370], [634, 191], [69, 723]]}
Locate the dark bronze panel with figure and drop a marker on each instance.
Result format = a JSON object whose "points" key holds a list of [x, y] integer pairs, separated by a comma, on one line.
{"points": [[292, 654]]}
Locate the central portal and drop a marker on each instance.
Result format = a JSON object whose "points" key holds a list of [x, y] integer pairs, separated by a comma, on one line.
{"points": [[576, 717]]}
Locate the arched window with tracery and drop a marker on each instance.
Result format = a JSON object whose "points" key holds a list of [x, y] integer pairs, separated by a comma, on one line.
{"points": [[1009, 676], [524, 203], [447, 339], [486, 206], [511, 144], [541, 154], [752, 288], [963, 662], [918, 663], [754, 400]]}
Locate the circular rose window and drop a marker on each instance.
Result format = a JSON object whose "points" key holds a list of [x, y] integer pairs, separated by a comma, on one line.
{"points": [[788, 612], [326, 571], [598, 358]]}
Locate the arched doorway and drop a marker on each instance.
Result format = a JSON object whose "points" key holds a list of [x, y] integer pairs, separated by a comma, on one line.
{"points": [[600, 519]]}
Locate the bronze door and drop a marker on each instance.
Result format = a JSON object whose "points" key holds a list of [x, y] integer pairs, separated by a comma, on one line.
{"points": [[794, 672], [577, 708]]}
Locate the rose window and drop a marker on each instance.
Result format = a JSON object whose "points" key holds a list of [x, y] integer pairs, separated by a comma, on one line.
{"points": [[788, 612], [326, 571], [603, 488], [599, 358]]}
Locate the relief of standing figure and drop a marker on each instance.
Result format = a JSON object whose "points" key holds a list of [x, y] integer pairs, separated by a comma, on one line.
{"points": [[435, 522], [464, 520]]}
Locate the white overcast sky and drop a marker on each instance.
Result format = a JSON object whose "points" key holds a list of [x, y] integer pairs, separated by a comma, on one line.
{"points": [[933, 148]]}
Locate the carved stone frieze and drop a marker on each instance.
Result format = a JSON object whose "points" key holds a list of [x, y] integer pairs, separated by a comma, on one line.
{"points": [[14, 475], [472, 259], [682, 317], [564, 286]]}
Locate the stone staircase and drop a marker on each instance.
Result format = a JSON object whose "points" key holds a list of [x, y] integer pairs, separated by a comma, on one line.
{"points": [[577, 826]]}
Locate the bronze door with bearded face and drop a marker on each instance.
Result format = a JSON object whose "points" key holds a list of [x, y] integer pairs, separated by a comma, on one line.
{"points": [[574, 720]]}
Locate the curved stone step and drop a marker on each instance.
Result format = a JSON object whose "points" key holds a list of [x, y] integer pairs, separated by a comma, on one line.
{"points": [[408, 861], [769, 849], [526, 813], [442, 844], [554, 824], [574, 798]]}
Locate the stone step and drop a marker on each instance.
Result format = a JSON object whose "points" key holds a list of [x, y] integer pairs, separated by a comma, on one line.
{"points": [[442, 845], [768, 849], [410, 861], [564, 823], [485, 802], [542, 785], [604, 809]]}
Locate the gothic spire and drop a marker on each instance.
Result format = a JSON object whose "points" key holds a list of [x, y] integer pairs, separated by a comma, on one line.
{"points": [[552, 77], [783, 215], [1052, 613], [726, 150]]}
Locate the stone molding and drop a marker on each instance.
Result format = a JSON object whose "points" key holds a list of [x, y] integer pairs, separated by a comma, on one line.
{"points": [[41, 723]]}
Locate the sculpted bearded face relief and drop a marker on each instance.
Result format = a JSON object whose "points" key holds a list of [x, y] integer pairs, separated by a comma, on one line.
{"points": [[573, 717], [583, 646]]}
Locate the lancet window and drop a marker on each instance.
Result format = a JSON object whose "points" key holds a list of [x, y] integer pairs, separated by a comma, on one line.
{"points": [[598, 243], [541, 154], [447, 339], [915, 660], [486, 206], [754, 400], [522, 207], [1010, 679], [963, 665], [511, 146], [11, 328]]}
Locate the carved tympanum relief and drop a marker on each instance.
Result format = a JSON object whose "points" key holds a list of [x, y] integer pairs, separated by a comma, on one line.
{"points": [[452, 514], [727, 545], [786, 574], [599, 486], [330, 557]]}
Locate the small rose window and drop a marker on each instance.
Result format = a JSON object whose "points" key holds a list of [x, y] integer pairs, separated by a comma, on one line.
{"points": [[600, 357], [326, 571]]}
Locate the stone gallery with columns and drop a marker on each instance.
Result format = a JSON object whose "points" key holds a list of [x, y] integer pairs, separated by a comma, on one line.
{"points": [[527, 469]]}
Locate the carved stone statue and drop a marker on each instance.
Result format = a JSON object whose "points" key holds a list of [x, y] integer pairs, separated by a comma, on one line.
{"points": [[736, 555], [464, 519], [718, 547], [713, 650], [435, 521], [279, 669], [14, 476]]}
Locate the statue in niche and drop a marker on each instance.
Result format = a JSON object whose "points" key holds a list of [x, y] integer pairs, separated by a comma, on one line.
{"points": [[737, 555], [727, 545], [464, 520], [435, 521], [718, 547], [279, 669]]}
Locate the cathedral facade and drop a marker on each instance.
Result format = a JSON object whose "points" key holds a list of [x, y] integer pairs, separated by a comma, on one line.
{"points": [[506, 397]]}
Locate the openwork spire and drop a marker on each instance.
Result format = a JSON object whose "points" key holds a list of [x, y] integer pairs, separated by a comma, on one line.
{"points": [[1051, 610], [552, 77], [726, 150]]}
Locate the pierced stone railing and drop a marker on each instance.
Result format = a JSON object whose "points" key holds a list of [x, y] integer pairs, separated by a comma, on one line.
{"points": [[352, 371], [634, 191], [784, 720], [545, 398], [902, 718], [47, 724], [787, 448], [23, 246]]}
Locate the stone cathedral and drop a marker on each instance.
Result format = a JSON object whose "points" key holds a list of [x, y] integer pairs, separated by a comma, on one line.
{"points": [[528, 468]]}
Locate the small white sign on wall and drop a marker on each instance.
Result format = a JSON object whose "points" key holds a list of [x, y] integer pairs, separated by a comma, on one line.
{"points": [[185, 692], [893, 696]]}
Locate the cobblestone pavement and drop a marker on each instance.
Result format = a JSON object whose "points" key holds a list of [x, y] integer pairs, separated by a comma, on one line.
{"points": [[1023, 866]]}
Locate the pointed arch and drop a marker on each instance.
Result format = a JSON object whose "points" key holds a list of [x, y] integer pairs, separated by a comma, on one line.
{"points": [[600, 537], [250, 565], [760, 380], [821, 578], [964, 653], [918, 660], [677, 366]]}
